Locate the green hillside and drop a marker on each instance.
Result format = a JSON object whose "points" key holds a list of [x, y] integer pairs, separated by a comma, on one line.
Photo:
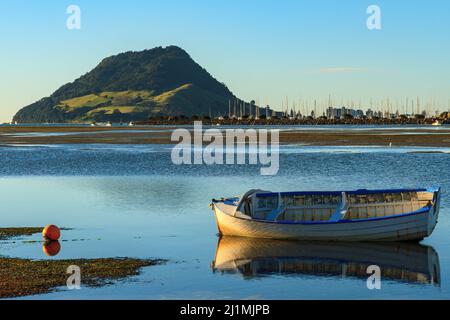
{"points": [[133, 86]]}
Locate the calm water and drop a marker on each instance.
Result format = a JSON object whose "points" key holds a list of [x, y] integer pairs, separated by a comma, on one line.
{"points": [[132, 201]]}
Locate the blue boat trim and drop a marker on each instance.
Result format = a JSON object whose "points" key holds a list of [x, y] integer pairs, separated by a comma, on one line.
{"points": [[231, 201], [420, 211], [338, 193]]}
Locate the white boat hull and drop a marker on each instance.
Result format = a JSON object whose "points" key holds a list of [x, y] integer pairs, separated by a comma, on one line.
{"points": [[408, 227]]}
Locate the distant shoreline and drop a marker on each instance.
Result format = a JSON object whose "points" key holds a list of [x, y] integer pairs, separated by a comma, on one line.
{"points": [[287, 121], [177, 121], [384, 136]]}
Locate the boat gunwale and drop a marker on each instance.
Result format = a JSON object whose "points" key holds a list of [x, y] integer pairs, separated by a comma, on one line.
{"points": [[338, 193]]}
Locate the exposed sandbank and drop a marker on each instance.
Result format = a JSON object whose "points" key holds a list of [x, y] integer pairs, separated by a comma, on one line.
{"points": [[427, 137]]}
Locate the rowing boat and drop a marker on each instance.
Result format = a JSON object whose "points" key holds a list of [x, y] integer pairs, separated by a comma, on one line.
{"points": [[361, 215]]}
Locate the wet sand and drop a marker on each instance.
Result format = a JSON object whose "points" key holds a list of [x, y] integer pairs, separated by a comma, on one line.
{"points": [[427, 137]]}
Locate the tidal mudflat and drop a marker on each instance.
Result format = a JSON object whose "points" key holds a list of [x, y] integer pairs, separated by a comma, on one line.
{"points": [[8, 233], [339, 135], [25, 277]]}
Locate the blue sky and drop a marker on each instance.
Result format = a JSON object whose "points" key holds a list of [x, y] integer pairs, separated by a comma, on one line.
{"points": [[261, 49]]}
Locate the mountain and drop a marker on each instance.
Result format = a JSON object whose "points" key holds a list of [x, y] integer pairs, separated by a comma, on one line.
{"points": [[134, 86]]}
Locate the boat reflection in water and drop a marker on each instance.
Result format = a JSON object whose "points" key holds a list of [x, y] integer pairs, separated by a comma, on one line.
{"points": [[402, 261]]}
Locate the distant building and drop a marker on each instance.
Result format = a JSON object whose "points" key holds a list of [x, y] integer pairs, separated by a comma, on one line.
{"points": [[359, 114], [268, 112]]}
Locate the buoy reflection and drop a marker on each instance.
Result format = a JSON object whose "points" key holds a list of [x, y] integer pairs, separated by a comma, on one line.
{"points": [[51, 248]]}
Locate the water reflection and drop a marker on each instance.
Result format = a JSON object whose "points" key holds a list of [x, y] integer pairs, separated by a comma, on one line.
{"points": [[405, 262], [51, 248]]}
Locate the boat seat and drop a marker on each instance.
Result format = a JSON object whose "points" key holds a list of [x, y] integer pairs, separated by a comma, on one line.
{"points": [[275, 213], [341, 210]]}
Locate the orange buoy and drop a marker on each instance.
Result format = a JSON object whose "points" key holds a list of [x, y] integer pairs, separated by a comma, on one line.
{"points": [[51, 232], [51, 248]]}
